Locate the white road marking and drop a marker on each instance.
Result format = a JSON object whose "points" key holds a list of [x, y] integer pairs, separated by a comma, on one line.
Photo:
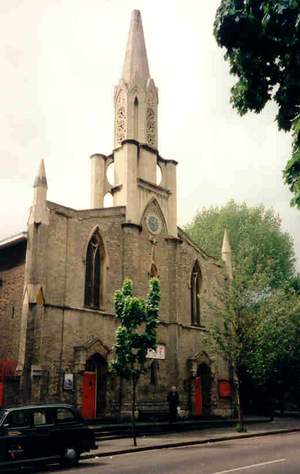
{"points": [[243, 468]]}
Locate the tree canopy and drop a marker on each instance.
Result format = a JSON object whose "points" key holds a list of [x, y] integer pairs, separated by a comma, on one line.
{"points": [[137, 331], [262, 42], [274, 339], [257, 331], [136, 334], [255, 235]]}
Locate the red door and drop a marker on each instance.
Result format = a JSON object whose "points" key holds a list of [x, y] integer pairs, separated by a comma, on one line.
{"points": [[198, 397], [89, 395]]}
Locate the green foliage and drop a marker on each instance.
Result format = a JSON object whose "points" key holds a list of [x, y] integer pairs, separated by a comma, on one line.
{"points": [[291, 172], [237, 307], [258, 330], [137, 331], [255, 235], [262, 43], [273, 339]]}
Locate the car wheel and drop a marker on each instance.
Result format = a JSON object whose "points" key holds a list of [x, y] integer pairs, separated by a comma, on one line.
{"points": [[70, 457]]}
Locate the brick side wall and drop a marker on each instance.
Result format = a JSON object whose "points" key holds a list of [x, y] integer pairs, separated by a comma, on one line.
{"points": [[12, 266]]}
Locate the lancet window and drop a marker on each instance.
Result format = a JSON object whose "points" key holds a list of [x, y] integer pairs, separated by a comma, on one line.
{"points": [[196, 280], [94, 271]]}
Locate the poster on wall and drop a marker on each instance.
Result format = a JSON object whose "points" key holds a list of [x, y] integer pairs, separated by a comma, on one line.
{"points": [[159, 353], [68, 381]]}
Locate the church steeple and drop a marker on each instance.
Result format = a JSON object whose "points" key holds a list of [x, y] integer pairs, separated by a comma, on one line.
{"points": [[135, 155], [136, 96], [136, 61]]}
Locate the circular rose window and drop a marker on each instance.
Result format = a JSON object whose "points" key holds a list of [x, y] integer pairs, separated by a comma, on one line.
{"points": [[154, 223]]}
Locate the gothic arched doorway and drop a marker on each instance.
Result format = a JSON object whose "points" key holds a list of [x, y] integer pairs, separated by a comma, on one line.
{"points": [[94, 387], [203, 383]]}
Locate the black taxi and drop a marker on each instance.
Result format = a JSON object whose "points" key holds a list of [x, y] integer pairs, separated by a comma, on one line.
{"points": [[39, 434]]}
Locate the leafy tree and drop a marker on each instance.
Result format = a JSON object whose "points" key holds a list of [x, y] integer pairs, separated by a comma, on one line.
{"points": [[135, 335], [273, 339], [255, 236], [234, 310], [262, 43], [257, 331]]}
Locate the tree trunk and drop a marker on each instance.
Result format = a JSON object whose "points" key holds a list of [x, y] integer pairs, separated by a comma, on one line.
{"points": [[238, 402], [120, 396], [133, 406], [239, 406]]}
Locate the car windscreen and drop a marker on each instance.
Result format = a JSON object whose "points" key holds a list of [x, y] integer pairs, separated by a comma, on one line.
{"points": [[2, 415]]}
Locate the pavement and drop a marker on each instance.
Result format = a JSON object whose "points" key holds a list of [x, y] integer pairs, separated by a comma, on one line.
{"points": [[114, 447]]}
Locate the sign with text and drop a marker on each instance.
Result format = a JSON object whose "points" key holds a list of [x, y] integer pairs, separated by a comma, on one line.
{"points": [[159, 353]]}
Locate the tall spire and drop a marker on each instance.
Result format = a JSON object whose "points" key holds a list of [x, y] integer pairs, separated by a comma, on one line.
{"points": [[226, 254], [136, 96], [136, 61]]}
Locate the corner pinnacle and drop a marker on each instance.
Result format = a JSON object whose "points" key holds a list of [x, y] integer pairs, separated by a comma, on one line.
{"points": [[41, 180]]}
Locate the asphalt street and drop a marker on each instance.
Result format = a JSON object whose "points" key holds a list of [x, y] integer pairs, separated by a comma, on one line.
{"points": [[275, 454]]}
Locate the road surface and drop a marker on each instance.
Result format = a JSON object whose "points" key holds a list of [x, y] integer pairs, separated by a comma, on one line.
{"points": [[275, 454]]}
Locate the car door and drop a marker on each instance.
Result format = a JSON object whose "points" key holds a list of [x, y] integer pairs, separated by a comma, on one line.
{"points": [[42, 429], [17, 437], [67, 430]]}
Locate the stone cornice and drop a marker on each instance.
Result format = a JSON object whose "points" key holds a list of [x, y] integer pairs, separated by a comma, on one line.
{"points": [[164, 192]]}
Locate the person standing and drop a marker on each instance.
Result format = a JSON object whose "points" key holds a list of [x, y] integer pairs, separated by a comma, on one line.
{"points": [[173, 401]]}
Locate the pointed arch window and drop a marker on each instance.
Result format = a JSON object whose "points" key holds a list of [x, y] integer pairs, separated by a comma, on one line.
{"points": [[196, 280], [94, 272]]}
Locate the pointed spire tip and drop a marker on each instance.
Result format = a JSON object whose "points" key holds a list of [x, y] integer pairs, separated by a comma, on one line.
{"points": [[136, 13], [41, 179], [136, 61]]}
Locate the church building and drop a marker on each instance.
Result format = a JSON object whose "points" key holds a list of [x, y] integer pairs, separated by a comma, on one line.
{"points": [[57, 280]]}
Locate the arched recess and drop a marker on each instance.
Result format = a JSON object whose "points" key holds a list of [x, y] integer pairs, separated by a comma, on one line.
{"points": [[205, 376], [136, 118], [96, 264], [202, 374], [195, 286], [153, 207]]}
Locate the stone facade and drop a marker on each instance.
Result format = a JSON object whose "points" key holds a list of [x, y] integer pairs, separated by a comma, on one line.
{"points": [[63, 328], [12, 266]]}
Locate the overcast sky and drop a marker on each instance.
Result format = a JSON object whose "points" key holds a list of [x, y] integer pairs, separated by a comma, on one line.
{"points": [[59, 63]]}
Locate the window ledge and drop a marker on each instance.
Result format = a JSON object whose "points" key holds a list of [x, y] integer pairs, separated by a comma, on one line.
{"points": [[199, 326]]}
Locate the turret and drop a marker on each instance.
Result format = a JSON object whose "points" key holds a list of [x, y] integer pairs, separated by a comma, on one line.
{"points": [[39, 213], [34, 280], [226, 255]]}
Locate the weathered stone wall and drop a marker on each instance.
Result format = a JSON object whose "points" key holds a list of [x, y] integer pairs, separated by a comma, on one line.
{"points": [[63, 334], [68, 236], [12, 264], [63, 323]]}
